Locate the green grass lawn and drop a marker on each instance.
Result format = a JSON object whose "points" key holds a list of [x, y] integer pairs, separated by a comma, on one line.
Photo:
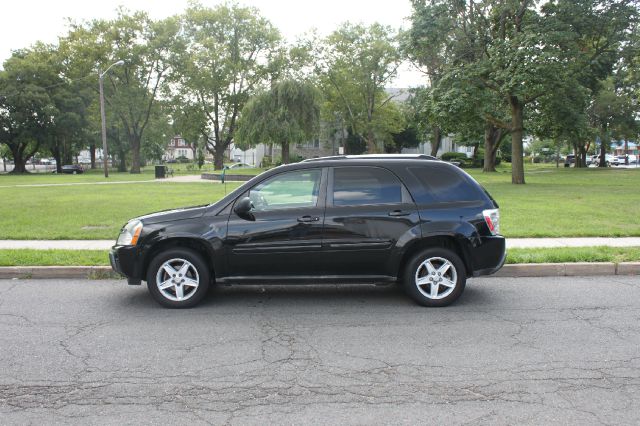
{"points": [[566, 202], [29, 257], [92, 211], [554, 202]]}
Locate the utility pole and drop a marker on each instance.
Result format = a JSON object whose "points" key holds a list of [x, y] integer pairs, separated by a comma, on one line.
{"points": [[105, 152]]}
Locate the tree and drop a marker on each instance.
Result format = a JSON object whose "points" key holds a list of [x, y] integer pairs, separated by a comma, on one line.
{"points": [[149, 50], [288, 113], [355, 63], [427, 45], [407, 136], [612, 115], [26, 110], [228, 57], [521, 53]]}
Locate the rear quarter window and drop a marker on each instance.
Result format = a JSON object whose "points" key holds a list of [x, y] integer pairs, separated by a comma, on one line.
{"points": [[444, 184]]}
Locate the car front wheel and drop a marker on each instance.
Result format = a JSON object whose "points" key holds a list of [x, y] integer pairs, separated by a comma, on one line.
{"points": [[178, 278], [435, 277]]}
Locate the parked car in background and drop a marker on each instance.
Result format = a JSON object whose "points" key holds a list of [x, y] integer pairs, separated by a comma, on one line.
{"points": [[72, 169], [239, 166], [620, 160], [569, 160], [345, 219], [595, 160]]}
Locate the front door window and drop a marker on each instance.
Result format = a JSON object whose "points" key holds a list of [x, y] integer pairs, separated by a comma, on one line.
{"points": [[291, 190]]}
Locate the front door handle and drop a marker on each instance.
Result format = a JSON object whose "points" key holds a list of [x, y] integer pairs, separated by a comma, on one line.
{"points": [[399, 213], [308, 218]]}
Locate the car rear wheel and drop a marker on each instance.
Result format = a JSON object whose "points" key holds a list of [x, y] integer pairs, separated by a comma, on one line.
{"points": [[435, 277], [178, 278]]}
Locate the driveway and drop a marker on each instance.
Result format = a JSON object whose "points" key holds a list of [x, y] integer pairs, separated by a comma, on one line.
{"points": [[512, 351]]}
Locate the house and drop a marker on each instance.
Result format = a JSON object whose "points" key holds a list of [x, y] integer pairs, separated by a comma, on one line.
{"points": [[178, 147], [632, 148]]}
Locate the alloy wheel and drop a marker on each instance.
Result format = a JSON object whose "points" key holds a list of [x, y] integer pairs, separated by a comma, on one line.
{"points": [[177, 279], [436, 278]]}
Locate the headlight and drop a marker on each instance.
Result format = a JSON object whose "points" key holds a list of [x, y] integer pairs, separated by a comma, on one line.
{"points": [[130, 234]]}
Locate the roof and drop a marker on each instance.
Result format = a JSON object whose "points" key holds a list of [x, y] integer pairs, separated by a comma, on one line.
{"points": [[374, 157]]}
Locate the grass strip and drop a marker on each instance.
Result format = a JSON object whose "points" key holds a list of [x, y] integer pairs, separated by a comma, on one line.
{"points": [[31, 257], [573, 254]]}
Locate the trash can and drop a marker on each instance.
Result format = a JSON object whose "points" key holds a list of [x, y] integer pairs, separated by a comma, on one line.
{"points": [[161, 172]]}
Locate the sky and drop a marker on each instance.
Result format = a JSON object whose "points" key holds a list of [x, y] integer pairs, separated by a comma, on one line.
{"points": [[27, 21]]}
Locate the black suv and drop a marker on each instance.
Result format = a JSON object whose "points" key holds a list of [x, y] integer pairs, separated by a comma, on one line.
{"points": [[371, 219]]}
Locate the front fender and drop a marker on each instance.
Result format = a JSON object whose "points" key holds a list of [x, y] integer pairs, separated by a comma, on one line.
{"points": [[198, 236]]}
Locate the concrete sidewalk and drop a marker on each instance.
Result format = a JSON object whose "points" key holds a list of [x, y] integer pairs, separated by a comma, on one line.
{"points": [[511, 243]]}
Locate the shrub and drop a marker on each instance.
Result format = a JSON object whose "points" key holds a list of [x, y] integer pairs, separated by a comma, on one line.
{"points": [[458, 157], [266, 162], [454, 156]]}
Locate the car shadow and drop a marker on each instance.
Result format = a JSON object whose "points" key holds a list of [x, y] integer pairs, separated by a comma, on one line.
{"points": [[288, 297]]}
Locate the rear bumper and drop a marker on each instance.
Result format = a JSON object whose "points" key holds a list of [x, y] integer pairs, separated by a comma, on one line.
{"points": [[488, 256], [124, 261]]}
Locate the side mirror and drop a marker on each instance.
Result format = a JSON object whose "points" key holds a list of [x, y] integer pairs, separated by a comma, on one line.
{"points": [[243, 208]]}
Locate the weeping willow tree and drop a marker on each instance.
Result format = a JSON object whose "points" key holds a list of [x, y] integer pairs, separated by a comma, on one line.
{"points": [[287, 113]]}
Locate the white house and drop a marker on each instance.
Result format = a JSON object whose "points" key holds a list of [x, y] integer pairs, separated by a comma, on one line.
{"points": [[178, 147]]}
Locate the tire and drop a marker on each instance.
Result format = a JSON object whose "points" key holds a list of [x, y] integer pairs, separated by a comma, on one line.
{"points": [[425, 265], [188, 282]]}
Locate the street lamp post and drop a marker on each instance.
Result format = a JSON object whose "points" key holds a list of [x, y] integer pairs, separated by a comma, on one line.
{"points": [[105, 152]]}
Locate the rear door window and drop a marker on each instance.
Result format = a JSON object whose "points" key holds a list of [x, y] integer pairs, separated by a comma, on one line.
{"points": [[355, 186]]}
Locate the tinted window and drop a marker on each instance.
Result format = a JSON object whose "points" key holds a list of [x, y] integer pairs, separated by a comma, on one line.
{"points": [[443, 184], [365, 185], [287, 190]]}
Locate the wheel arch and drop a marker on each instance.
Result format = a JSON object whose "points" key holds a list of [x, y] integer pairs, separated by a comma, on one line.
{"points": [[200, 246], [450, 242]]}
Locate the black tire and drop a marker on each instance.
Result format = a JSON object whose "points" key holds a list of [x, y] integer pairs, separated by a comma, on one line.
{"points": [[177, 256], [444, 296]]}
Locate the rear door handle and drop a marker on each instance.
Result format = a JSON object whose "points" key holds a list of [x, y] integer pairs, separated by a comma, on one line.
{"points": [[399, 213], [308, 219]]}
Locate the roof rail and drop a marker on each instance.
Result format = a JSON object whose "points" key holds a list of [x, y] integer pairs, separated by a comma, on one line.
{"points": [[374, 157]]}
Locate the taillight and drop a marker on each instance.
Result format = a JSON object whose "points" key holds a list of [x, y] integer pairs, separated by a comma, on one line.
{"points": [[492, 217]]}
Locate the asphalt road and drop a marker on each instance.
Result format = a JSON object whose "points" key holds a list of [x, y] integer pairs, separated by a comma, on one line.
{"points": [[511, 351]]}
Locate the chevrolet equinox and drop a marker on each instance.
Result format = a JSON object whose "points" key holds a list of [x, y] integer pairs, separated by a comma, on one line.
{"points": [[371, 219]]}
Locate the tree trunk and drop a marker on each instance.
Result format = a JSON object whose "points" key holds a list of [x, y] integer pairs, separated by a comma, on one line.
{"points": [[371, 143], [134, 141], [4, 164], [92, 152], [517, 127], [436, 140], [492, 138], [604, 145], [218, 156], [58, 157], [122, 163], [285, 152], [19, 162], [626, 152], [581, 156]]}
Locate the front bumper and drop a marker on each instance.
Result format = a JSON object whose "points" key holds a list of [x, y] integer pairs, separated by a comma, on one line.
{"points": [[124, 261]]}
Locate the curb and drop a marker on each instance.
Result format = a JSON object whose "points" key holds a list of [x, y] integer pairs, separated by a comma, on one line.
{"points": [[507, 271], [568, 269], [60, 272]]}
